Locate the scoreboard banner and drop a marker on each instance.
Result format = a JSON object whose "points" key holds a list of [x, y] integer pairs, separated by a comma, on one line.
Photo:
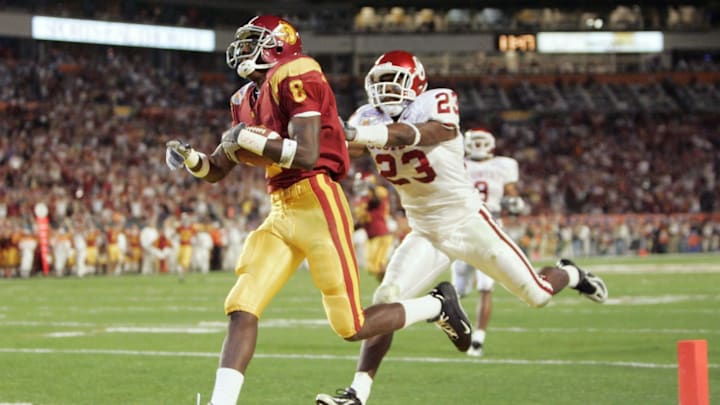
{"points": [[600, 42]]}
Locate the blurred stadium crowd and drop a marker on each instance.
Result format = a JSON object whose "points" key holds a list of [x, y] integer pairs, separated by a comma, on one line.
{"points": [[608, 166], [327, 16]]}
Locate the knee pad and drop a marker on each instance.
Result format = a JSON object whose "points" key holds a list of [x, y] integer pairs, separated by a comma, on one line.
{"points": [[483, 282], [386, 293], [538, 298], [342, 320], [245, 297]]}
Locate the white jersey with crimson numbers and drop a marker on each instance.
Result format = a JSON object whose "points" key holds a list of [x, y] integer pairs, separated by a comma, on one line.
{"points": [[490, 177], [448, 220], [432, 182]]}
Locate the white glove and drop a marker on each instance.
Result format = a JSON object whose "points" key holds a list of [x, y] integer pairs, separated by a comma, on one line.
{"points": [[350, 132], [229, 141], [513, 205], [176, 153]]}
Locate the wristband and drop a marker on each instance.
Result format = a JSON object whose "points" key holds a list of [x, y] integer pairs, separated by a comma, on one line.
{"points": [[376, 135], [193, 158], [201, 158], [287, 153], [417, 132], [251, 141]]}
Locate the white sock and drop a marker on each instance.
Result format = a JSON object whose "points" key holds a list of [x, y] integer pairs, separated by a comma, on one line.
{"points": [[478, 336], [228, 383], [573, 275], [362, 383], [420, 309]]}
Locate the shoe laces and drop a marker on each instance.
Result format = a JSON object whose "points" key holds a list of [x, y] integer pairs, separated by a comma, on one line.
{"points": [[444, 324], [344, 393]]}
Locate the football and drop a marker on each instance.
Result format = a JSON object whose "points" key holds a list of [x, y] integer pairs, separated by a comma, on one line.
{"points": [[251, 159]]}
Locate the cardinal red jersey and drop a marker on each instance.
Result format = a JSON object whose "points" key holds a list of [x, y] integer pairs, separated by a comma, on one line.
{"points": [[294, 86], [378, 209], [186, 233], [112, 236]]}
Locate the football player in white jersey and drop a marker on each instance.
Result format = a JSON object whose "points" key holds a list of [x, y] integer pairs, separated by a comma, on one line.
{"points": [[495, 178], [414, 137]]}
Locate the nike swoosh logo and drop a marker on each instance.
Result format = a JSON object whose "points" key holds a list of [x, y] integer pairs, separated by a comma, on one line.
{"points": [[466, 327]]}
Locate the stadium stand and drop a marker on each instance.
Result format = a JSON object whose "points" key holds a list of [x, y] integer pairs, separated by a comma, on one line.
{"points": [[632, 155]]}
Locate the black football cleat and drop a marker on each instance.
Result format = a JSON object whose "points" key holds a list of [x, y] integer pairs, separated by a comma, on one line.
{"points": [[589, 285], [452, 319]]}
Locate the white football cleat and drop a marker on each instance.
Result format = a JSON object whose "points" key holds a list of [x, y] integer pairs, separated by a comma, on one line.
{"points": [[345, 396], [476, 349]]}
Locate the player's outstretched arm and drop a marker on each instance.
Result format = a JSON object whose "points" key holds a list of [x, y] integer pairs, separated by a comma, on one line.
{"points": [[211, 168], [401, 134]]}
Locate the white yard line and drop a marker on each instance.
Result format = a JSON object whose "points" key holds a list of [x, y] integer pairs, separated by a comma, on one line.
{"points": [[523, 362], [209, 327], [654, 268]]}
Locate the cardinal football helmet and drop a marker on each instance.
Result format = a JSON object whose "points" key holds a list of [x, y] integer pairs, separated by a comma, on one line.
{"points": [[394, 81], [261, 43], [479, 144]]}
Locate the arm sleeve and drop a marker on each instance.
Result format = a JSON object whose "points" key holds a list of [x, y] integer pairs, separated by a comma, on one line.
{"points": [[511, 171]]}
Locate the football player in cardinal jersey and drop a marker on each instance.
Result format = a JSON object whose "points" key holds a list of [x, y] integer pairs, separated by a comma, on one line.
{"points": [[495, 178], [310, 217], [414, 136], [373, 212]]}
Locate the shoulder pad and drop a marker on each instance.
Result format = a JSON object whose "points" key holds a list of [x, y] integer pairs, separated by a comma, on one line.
{"points": [[237, 97]]}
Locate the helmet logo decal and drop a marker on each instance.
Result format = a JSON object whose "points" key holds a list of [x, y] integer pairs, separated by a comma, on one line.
{"points": [[419, 69], [286, 32]]}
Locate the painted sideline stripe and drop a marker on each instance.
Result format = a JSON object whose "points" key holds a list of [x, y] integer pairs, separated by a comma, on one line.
{"points": [[524, 362]]}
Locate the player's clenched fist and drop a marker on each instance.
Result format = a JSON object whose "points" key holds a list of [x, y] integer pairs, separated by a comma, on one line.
{"points": [[229, 141], [350, 132]]}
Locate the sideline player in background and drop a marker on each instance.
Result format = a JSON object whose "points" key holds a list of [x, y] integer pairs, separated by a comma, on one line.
{"points": [[495, 178], [373, 214], [357, 206], [310, 217], [185, 233], [414, 137]]}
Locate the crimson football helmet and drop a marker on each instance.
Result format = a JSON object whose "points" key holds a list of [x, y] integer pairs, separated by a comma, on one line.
{"points": [[394, 81], [479, 144], [261, 43]]}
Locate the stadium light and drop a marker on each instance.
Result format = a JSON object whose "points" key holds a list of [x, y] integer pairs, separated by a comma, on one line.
{"points": [[122, 34]]}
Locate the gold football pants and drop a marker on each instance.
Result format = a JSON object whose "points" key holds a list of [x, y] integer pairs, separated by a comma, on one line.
{"points": [[377, 249], [310, 219]]}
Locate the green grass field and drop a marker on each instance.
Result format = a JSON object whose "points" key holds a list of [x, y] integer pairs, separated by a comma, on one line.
{"points": [[152, 340]]}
